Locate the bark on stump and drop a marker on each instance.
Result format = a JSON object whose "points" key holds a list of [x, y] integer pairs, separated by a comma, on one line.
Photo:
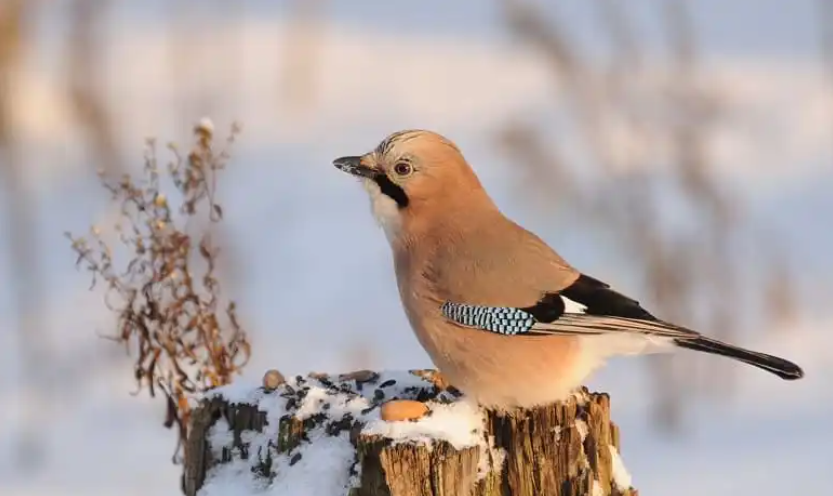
{"points": [[563, 449]]}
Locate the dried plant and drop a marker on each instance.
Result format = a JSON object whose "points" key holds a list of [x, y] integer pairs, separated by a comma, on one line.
{"points": [[168, 299]]}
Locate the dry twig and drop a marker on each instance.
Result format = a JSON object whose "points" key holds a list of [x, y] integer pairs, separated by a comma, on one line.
{"points": [[168, 307]]}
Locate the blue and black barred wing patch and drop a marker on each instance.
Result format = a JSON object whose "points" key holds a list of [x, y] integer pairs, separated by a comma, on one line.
{"points": [[501, 320], [510, 320]]}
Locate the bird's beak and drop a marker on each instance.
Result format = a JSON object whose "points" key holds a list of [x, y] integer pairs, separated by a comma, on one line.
{"points": [[354, 166]]}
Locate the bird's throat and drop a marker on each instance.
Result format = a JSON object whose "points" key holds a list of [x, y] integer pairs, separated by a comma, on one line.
{"points": [[386, 210]]}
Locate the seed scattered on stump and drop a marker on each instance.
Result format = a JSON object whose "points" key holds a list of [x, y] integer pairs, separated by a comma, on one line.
{"points": [[432, 376], [359, 376], [454, 391], [395, 410], [272, 379]]}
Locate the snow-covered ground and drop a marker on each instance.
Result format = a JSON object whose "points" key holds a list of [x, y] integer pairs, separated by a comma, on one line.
{"points": [[292, 218]]}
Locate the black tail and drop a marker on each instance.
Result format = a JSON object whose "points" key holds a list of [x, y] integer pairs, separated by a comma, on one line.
{"points": [[778, 366]]}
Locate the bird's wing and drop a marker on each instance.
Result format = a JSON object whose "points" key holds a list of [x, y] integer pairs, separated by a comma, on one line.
{"points": [[590, 307], [587, 307]]}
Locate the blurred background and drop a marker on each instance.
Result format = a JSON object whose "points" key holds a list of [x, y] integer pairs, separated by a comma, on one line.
{"points": [[681, 151]]}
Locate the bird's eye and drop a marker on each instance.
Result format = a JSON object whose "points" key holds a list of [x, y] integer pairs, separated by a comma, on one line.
{"points": [[402, 169]]}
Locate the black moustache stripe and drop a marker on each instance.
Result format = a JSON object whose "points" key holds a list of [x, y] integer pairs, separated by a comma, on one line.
{"points": [[391, 190]]}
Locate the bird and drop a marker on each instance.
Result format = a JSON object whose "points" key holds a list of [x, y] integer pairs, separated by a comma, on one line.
{"points": [[503, 317]]}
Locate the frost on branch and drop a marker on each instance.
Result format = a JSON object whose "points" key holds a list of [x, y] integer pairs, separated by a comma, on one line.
{"points": [[166, 293]]}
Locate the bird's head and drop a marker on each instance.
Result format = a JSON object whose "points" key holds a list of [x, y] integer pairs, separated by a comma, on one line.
{"points": [[414, 174]]}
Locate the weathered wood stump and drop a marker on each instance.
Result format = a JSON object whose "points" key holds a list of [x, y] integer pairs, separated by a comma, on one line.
{"points": [[327, 433]]}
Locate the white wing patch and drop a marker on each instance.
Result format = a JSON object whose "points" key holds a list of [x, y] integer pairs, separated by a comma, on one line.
{"points": [[571, 306]]}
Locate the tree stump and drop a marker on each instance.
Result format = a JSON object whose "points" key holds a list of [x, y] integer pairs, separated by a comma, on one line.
{"points": [[325, 435]]}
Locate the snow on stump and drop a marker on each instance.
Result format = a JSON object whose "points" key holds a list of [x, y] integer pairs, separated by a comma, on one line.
{"points": [[325, 435]]}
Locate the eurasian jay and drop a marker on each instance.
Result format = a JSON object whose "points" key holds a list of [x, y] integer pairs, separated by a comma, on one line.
{"points": [[503, 317]]}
